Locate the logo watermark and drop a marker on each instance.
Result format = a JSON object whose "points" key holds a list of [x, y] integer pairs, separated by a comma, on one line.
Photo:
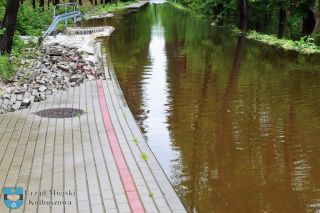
{"points": [[15, 197]]}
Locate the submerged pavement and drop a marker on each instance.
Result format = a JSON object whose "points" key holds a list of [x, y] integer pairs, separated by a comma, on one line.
{"points": [[95, 162]]}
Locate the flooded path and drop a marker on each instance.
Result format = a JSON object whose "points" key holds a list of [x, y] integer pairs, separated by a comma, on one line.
{"points": [[235, 124]]}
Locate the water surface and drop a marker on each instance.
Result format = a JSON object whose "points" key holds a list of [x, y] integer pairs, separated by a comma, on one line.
{"points": [[235, 124]]}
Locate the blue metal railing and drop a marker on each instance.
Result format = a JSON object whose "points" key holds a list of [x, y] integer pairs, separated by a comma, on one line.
{"points": [[75, 13]]}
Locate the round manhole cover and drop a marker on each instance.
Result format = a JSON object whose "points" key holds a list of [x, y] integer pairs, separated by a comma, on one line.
{"points": [[60, 113]]}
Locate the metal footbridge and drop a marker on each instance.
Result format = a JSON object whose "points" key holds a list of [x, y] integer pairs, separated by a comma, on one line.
{"points": [[70, 12]]}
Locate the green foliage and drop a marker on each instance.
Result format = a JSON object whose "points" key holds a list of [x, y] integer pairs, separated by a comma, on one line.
{"points": [[263, 15], [25, 76], [135, 140], [8, 68], [316, 37], [214, 9], [30, 22], [144, 156], [33, 21], [18, 44], [234, 29], [2, 8], [107, 8], [5, 67], [2, 31], [150, 194], [84, 8], [305, 45], [293, 24], [179, 6]]}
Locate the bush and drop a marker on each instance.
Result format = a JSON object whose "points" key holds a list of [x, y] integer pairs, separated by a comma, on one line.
{"points": [[18, 44], [33, 21], [5, 67], [305, 45], [30, 22]]}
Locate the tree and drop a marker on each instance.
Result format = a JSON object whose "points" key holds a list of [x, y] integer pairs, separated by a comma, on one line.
{"points": [[282, 20], [242, 9], [41, 3], [309, 22], [8, 26]]}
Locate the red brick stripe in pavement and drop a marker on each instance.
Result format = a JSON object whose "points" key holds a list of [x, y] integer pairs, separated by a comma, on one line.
{"points": [[127, 180]]}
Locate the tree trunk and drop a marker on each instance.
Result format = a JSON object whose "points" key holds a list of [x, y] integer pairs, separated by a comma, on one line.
{"points": [[282, 20], [33, 4], [9, 25], [242, 10], [80, 2], [316, 11], [309, 23], [41, 3]]}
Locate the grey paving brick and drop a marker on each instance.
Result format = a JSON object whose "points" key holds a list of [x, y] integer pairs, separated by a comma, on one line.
{"points": [[74, 154]]}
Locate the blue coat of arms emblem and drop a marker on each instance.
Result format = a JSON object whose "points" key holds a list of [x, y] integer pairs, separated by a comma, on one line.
{"points": [[13, 197]]}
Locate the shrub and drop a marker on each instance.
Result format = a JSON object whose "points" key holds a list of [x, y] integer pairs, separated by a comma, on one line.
{"points": [[5, 67], [305, 45], [33, 21]]}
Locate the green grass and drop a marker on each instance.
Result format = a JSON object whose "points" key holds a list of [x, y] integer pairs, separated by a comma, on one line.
{"points": [[135, 140], [144, 156], [305, 45], [107, 8], [9, 68], [150, 194], [25, 76], [5, 67]]}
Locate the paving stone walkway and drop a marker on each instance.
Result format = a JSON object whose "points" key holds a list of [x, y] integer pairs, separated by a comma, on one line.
{"points": [[82, 164]]}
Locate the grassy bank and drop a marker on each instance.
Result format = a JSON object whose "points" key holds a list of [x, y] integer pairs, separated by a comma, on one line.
{"points": [[179, 6], [305, 45], [108, 8]]}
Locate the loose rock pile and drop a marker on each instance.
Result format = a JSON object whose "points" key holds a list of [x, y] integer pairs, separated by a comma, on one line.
{"points": [[55, 67]]}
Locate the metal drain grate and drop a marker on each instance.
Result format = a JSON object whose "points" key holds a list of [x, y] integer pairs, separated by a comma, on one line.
{"points": [[60, 113]]}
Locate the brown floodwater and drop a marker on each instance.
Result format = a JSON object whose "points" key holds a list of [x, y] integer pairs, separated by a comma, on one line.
{"points": [[235, 124]]}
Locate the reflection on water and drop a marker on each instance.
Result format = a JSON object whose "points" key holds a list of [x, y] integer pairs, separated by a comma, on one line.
{"points": [[235, 124], [155, 96]]}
